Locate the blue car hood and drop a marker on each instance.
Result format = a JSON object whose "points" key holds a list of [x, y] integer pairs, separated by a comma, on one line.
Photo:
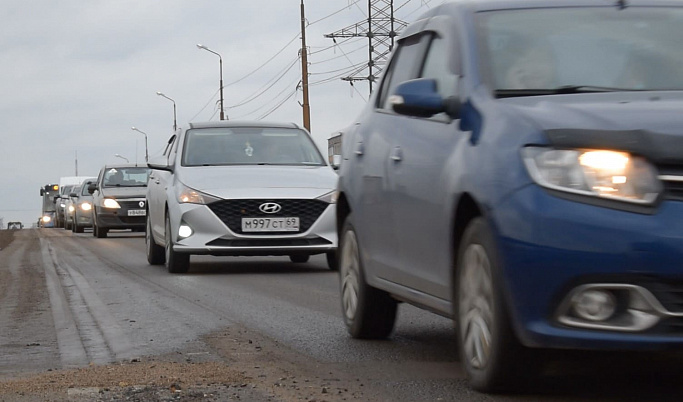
{"points": [[646, 123], [651, 111]]}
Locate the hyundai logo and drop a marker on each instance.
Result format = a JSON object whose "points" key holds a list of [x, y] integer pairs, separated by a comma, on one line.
{"points": [[270, 208], [142, 204]]}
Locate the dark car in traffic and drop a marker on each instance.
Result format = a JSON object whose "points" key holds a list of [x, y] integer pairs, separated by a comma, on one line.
{"points": [[82, 206], [119, 198], [520, 170]]}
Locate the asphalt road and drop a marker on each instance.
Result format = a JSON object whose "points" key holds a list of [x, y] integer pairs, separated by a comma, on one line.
{"points": [[70, 301]]}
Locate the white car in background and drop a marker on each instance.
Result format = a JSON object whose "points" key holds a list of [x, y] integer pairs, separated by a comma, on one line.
{"points": [[240, 188]]}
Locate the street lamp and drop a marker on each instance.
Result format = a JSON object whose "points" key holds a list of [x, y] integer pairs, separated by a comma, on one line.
{"points": [[145, 134], [221, 66], [175, 125], [122, 157]]}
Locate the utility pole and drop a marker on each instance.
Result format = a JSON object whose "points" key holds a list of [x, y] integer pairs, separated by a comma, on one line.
{"points": [[381, 28], [76, 162], [304, 70]]}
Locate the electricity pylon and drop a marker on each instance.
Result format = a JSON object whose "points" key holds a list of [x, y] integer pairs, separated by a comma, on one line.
{"points": [[381, 28]]}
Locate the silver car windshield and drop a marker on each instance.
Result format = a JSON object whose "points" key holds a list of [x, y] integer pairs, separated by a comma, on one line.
{"points": [[582, 49], [126, 177], [250, 146]]}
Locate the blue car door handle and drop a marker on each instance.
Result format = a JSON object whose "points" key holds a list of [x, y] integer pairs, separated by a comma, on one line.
{"points": [[396, 154]]}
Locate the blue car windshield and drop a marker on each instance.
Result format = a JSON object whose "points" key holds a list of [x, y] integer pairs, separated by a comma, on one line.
{"points": [[250, 146], [581, 49]]}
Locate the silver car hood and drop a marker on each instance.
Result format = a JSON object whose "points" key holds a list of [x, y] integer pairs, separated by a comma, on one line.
{"points": [[260, 181]]}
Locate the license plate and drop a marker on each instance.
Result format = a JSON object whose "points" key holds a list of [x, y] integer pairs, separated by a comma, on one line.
{"points": [[137, 212], [270, 224]]}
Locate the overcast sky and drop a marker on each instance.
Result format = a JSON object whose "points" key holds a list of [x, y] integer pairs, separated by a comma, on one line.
{"points": [[76, 75]]}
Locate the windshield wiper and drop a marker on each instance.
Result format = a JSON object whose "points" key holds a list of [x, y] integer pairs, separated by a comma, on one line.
{"points": [[574, 89], [565, 89]]}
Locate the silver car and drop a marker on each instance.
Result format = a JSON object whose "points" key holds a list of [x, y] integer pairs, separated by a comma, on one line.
{"points": [[82, 204], [240, 188]]}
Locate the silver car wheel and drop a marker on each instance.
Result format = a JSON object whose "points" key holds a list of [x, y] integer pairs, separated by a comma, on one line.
{"points": [[349, 270], [476, 306]]}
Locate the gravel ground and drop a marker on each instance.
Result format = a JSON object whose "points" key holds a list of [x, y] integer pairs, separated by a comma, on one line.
{"points": [[232, 364], [235, 364], [6, 237]]}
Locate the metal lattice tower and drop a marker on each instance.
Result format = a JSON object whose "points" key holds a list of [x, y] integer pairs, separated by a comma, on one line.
{"points": [[381, 28]]}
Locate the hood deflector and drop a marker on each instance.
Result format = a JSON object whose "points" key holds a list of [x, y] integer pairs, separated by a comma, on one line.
{"points": [[657, 147]]}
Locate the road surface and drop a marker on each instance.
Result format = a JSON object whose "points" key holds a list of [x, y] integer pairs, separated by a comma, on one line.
{"points": [[82, 317]]}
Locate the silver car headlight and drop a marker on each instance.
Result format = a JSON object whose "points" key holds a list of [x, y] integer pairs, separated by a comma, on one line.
{"points": [[330, 198], [598, 173], [86, 206], [186, 195], [110, 203]]}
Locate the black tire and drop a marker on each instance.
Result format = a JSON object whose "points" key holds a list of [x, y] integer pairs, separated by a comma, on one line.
{"points": [[369, 313], [299, 258], [156, 255], [98, 231], [332, 261], [491, 355], [78, 228], [176, 263]]}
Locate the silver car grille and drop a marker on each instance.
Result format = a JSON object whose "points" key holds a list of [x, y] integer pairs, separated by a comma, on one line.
{"points": [[231, 212]]}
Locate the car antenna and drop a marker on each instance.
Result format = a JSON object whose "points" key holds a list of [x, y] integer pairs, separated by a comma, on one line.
{"points": [[621, 4]]}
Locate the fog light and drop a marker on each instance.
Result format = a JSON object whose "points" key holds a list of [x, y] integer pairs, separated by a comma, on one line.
{"points": [[184, 231], [594, 305]]}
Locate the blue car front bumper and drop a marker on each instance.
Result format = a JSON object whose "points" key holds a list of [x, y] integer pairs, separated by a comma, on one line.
{"points": [[550, 246]]}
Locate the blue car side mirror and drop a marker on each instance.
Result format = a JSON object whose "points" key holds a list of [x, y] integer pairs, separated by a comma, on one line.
{"points": [[420, 98]]}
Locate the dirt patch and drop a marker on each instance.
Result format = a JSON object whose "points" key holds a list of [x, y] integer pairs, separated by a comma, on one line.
{"points": [[233, 364], [143, 381], [6, 237]]}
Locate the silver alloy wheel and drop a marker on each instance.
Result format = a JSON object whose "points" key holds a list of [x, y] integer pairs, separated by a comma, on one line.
{"points": [[349, 271], [475, 300]]}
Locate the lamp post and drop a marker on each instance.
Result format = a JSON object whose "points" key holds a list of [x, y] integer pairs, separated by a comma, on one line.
{"points": [[146, 150], [175, 125], [122, 157], [220, 59]]}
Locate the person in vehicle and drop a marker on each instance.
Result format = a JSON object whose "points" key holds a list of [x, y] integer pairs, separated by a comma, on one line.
{"points": [[534, 68], [115, 178]]}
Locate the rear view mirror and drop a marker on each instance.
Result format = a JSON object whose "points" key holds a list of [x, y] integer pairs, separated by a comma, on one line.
{"points": [[160, 163], [336, 161], [73, 195], [420, 98]]}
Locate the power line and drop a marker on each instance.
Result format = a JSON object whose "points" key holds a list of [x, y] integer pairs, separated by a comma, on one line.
{"points": [[333, 14], [278, 106], [267, 61], [339, 57], [346, 69], [277, 78], [265, 104], [205, 106]]}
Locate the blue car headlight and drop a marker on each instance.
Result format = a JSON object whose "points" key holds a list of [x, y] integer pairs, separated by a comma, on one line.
{"points": [[597, 173]]}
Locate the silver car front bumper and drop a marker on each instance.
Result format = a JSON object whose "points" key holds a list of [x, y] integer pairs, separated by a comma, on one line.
{"points": [[211, 235]]}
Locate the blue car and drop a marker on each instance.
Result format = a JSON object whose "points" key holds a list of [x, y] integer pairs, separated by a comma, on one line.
{"points": [[520, 170]]}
